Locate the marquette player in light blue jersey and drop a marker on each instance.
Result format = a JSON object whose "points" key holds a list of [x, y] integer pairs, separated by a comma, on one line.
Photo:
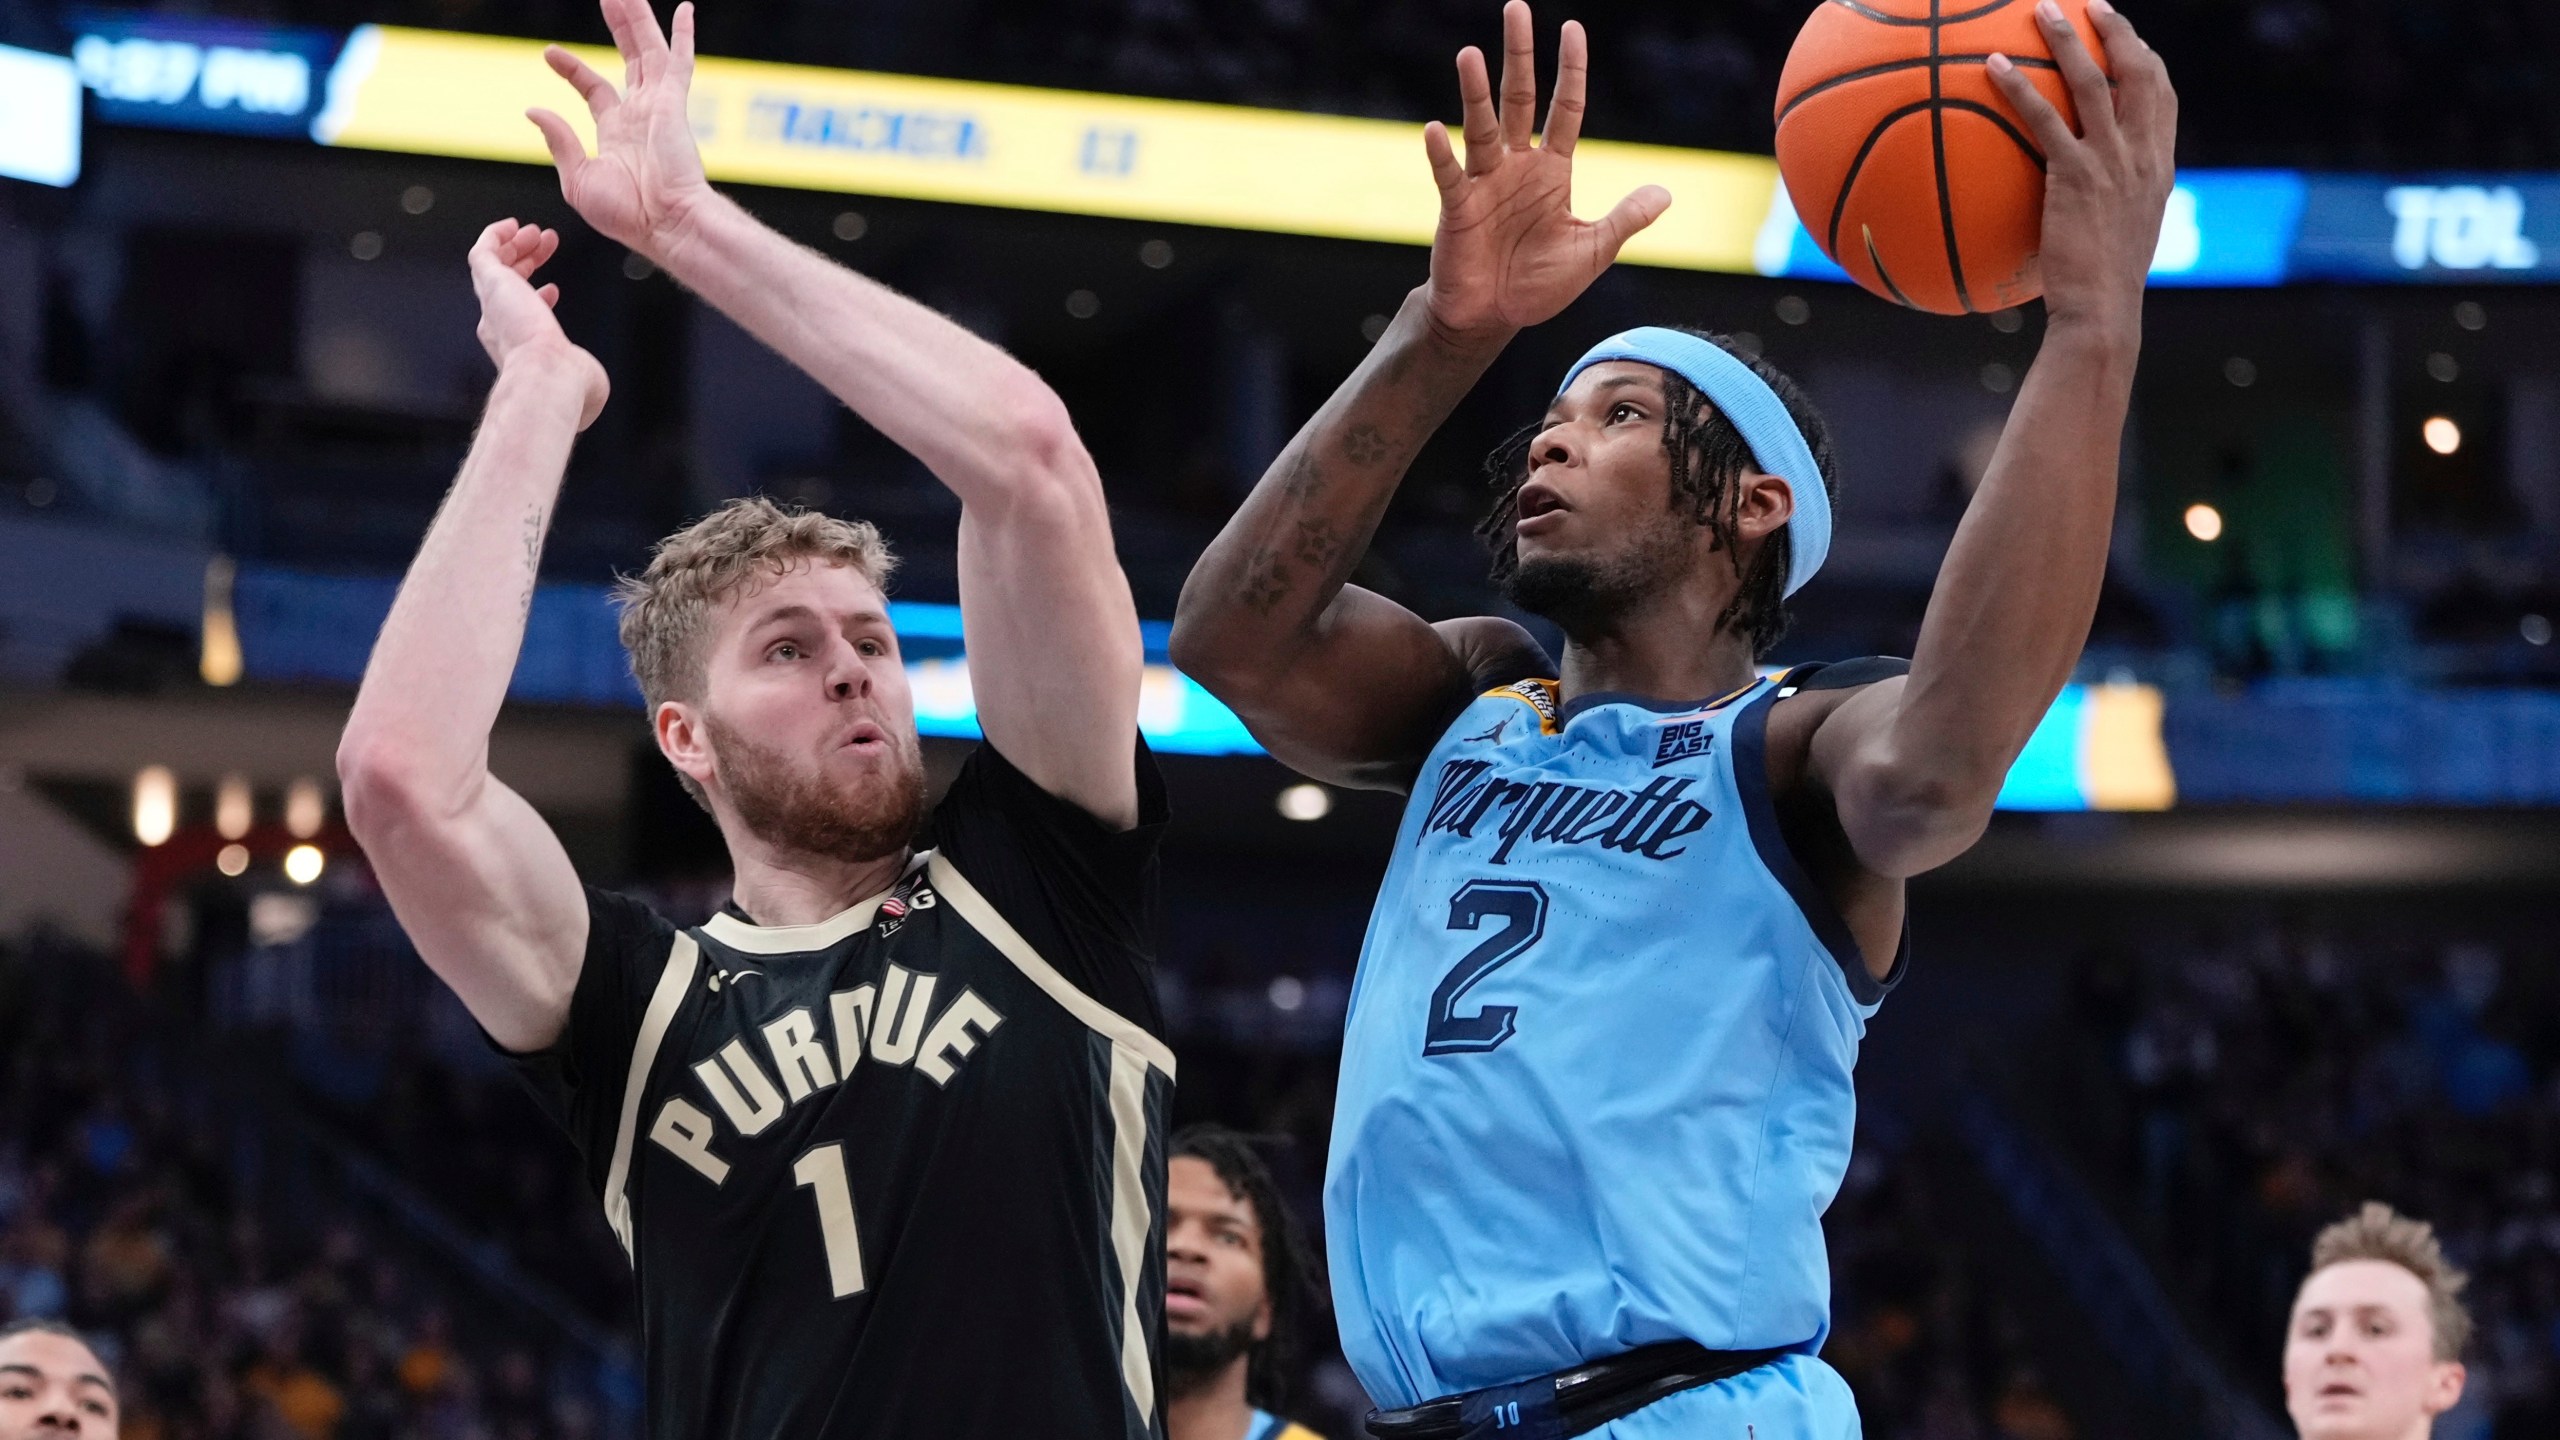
{"points": [[1596, 1084]]}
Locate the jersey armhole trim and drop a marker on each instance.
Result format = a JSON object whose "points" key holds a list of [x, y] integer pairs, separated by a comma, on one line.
{"points": [[983, 917], [684, 957], [1751, 779]]}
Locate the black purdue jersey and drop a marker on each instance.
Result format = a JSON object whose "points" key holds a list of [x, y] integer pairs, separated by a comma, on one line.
{"points": [[898, 1175]]}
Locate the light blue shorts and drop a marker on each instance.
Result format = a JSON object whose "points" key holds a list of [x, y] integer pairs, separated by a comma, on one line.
{"points": [[1796, 1397]]}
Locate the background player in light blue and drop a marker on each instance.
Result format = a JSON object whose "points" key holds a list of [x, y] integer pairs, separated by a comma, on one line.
{"points": [[1596, 1082]]}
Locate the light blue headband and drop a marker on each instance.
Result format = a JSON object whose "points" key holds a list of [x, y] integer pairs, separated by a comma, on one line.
{"points": [[1755, 410]]}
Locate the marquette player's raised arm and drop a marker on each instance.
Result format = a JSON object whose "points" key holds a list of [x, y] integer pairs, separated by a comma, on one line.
{"points": [[1916, 763], [1052, 632], [1336, 681], [476, 877]]}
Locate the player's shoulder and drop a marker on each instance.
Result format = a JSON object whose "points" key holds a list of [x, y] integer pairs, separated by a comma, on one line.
{"points": [[1499, 659], [1495, 652], [1802, 698], [620, 924], [1820, 676], [988, 780]]}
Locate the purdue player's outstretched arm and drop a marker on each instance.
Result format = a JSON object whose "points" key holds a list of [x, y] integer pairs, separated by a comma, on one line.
{"points": [[1914, 764], [1052, 632], [477, 879], [1338, 682]]}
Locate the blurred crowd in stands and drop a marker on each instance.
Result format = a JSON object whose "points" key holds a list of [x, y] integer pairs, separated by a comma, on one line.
{"points": [[1930, 1343], [2317, 83], [234, 1293], [2238, 1087]]}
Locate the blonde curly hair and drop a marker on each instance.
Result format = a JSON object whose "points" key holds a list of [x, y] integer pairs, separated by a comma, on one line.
{"points": [[666, 609], [2378, 1232]]}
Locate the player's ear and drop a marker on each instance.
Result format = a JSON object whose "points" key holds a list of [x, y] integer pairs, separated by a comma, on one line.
{"points": [[684, 740], [2444, 1386], [1762, 505], [1262, 1321]]}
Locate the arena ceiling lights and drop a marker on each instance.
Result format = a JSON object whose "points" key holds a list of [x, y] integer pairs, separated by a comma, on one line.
{"points": [[429, 92]]}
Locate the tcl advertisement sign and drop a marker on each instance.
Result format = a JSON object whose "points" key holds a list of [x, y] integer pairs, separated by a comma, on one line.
{"points": [[2460, 230]]}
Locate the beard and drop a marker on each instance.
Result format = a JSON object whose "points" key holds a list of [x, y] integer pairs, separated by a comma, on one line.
{"points": [[793, 808], [1584, 593], [1192, 1361]]}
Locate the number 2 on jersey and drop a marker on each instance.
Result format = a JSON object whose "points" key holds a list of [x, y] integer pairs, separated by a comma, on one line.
{"points": [[822, 1172], [1521, 905]]}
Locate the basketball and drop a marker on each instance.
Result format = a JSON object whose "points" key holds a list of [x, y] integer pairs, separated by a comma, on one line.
{"points": [[1905, 162]]}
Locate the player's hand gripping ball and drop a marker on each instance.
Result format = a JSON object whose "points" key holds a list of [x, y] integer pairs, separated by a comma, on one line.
{"points": [[1905, 162]]}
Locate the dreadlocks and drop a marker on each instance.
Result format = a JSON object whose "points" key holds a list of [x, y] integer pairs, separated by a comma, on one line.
{"points": [[1708, 456], [1288, 1265]]}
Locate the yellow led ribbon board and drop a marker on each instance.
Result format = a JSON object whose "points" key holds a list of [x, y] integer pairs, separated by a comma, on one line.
{"points": [[431, 92]]}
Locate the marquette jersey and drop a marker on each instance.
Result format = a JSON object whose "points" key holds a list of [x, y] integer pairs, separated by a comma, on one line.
{"points": [[898, 1175], [1596, 1082]]}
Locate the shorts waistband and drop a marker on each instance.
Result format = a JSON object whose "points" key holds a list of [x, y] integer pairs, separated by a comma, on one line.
{"points": [[1570, 1402]]}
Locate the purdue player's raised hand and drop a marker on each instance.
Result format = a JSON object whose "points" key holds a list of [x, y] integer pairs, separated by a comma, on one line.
{"points": [[516, 323], [1510, 252], [645, 178]]}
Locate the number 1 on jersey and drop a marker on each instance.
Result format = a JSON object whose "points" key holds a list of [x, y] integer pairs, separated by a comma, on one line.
{"points": [[1522, 907], [822, 1172]]}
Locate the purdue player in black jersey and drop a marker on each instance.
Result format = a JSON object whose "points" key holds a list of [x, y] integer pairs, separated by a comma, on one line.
{"points": [[883, 1140]]}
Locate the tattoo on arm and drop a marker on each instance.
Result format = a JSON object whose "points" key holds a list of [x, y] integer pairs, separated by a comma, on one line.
{"points": [[1364, 445], [535, 520], [1266, 581], [1319, 542], [1306, 480], [1308, 531]]}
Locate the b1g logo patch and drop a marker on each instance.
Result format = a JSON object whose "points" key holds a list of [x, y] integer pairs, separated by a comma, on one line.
{"points": [[911, 895], [1681, 740]]}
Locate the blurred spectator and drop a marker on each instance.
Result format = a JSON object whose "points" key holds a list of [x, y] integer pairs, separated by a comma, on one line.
{"points": [[1238, 1278], [2378, 1329], [284, 1379], [53, 1386]]}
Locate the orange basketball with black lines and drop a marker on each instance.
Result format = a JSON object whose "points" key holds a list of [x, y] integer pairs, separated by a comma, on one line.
{"points": [[1906, 163]]}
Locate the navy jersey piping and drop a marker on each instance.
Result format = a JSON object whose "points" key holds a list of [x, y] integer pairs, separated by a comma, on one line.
{"points": [[1751, 778], [1581, 703]]}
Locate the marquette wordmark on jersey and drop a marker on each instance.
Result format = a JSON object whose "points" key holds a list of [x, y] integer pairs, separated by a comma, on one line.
{"points": [[1645, 822]]}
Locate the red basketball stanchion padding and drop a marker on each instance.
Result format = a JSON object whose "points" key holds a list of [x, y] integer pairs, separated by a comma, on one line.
{"points": [[1905, 163]]}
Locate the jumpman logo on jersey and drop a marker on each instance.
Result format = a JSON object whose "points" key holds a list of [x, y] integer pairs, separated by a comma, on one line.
{"points": [[1492, 736]]}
